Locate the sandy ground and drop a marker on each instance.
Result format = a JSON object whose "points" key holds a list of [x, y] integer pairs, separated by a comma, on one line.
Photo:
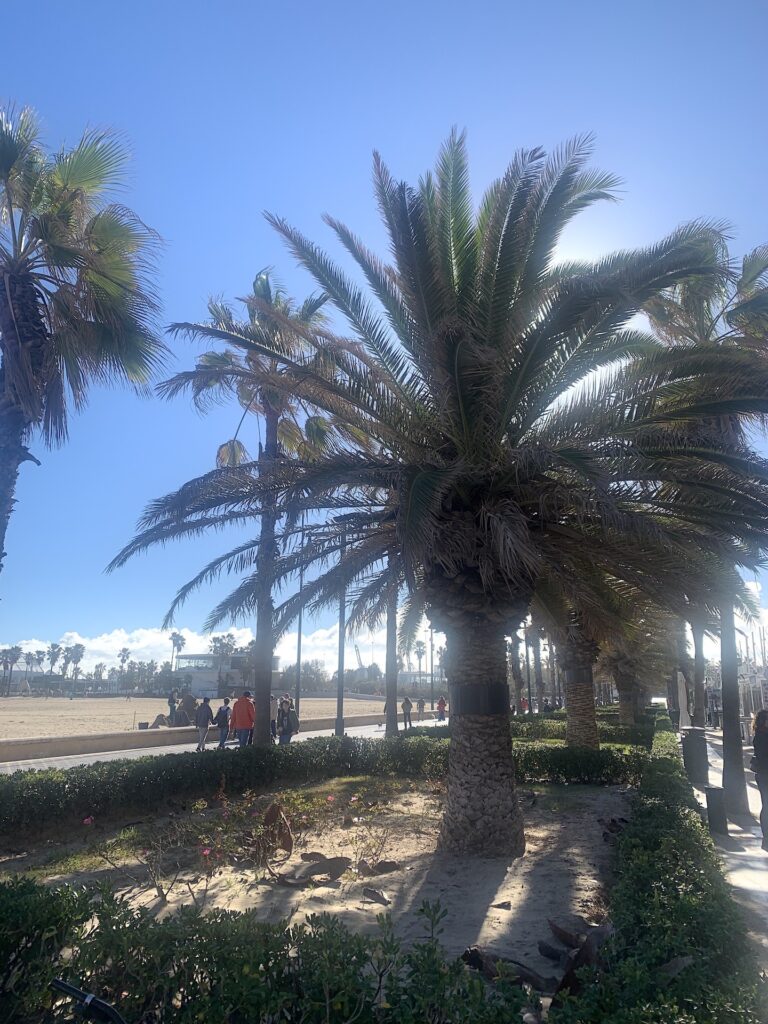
{"points": [[26, 716], [498, 904]]}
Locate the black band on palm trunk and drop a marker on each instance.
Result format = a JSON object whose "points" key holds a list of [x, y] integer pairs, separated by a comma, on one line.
{"points": [[479, 699]]}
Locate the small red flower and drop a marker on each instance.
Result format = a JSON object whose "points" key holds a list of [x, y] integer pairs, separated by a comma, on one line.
{"points": [[89, 820], [330, 799], [206, 851]]}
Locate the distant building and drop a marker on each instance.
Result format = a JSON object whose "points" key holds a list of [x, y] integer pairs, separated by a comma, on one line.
{"points": [[200, 674]]}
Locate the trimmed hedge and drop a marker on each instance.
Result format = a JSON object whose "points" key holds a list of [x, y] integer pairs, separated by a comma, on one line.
{"points": [[670, 900], [228, 968], [38, 799]]}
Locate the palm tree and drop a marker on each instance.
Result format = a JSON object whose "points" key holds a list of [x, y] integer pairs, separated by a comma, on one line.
{"points": [[513, 658], [10, 657], [274, 320], [66, 660], [29, 661], [53, 654], [177, 645], [77, 652], [420, 650], [123, 655], [40, 658], [75, 305], [517, 467], [725, 313], [222, 647], [98, 670]]}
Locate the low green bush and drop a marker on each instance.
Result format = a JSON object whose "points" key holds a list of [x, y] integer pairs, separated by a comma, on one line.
{"points": [[36, 925], [670, 901], [229, 968], [34, 800]]}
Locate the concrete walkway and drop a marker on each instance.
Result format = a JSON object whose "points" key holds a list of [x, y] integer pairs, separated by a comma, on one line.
{"points": [[745, 863], [73, 760]]}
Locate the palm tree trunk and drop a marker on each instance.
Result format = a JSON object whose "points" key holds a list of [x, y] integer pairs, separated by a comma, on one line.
{"points": [[699, 671], [517, 672], [537, 673], [390, 665], [12, 454], [581, 719], [482, 814], [21, 329], [625, 684], [265, 566], [734, 782]]}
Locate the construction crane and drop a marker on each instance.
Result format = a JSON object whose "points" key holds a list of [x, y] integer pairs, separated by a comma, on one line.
{"points": [[359, 659]]}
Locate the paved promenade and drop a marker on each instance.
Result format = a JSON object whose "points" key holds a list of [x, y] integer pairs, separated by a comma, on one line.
{"points": [[746, 864], [72, 760]]}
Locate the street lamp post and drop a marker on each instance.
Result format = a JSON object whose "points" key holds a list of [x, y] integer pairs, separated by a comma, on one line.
{"points": [[339, 730], [431, 669]]}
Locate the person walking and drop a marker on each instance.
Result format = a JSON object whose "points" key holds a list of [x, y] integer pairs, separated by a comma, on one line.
{"points": [[222, 721], [420, 705], [243, 717], [203, 719], [273, 716], [759, 766], [407, 707], [441, 706], [287, 721]]}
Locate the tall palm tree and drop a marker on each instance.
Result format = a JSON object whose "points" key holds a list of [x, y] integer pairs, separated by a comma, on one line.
{"points": [[11, 657], [513, 460], [75, 304], [123, 655], [178, 644], [66, 660], [77, 652], [40, 658], [420, 650], [727, 313], [273, 319], [53, 654]]}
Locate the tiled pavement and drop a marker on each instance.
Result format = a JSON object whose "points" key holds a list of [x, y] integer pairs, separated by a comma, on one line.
{"points": [[745, 863]]}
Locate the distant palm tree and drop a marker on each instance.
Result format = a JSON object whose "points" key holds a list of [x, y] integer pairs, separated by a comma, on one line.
{"points": [[75, 305], [77, 652], [29, 661], [53, 654], [39, 659], [123, 656], [98, 670], [177, 645], [66, 660], [420, 650], [12, 656]]}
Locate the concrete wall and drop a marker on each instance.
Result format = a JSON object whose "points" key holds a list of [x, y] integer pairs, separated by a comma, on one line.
{"points": [[58, 746]]}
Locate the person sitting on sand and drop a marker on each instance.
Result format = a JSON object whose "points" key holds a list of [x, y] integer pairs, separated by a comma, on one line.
{"points": [[159, 720]]}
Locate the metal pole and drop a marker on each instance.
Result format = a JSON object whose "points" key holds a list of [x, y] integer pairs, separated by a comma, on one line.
{"points": [[431, 669], [298, 639], [528, 673], [339, 730]]}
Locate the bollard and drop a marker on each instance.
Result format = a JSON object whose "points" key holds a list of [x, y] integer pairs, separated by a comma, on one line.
{"points": [[718, 820], [694, 742]]}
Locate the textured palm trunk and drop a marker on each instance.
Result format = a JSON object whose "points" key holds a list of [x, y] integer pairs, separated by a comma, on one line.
{"points": [[734, 781], [265, 565], [23, 335], [482, 815], [581, 720], [390, 666], [699, 672], [537, 673], [627, 688], [517, 672]]}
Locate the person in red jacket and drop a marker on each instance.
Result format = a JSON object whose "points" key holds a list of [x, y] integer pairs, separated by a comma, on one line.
{"points": [[243, 717]]}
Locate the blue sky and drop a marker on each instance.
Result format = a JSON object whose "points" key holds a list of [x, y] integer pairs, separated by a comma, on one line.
{"points": [[234, 108]]}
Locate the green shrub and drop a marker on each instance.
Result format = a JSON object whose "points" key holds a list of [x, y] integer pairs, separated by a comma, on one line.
{"points": [[36, 924], [38, 799], [670, 900], [229, 968]]}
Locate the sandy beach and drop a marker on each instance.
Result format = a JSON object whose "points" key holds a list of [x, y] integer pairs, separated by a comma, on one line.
{"points": [[22, 717]]}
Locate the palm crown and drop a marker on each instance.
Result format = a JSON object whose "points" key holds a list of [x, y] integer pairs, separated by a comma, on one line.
{"points": [[75, 304]]}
